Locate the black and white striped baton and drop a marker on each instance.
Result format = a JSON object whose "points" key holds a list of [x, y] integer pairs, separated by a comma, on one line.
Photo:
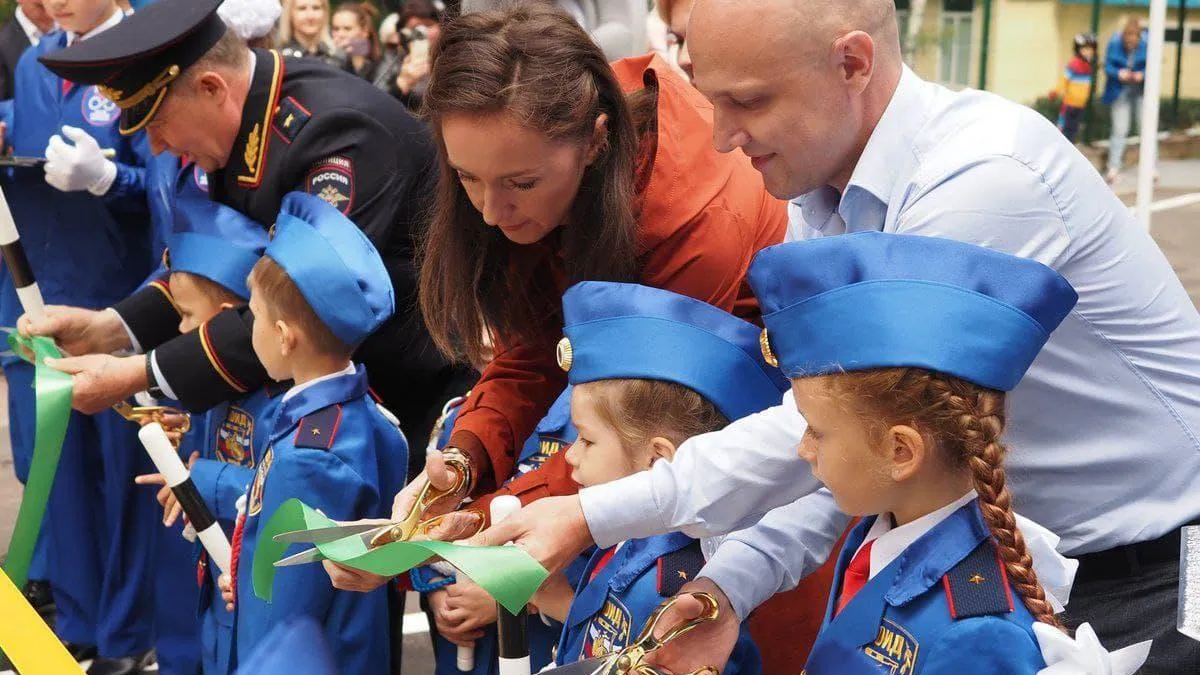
{"points": [[18, 265], [511, 628]]}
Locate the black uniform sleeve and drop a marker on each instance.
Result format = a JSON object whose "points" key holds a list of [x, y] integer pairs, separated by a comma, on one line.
{"points": [[214, 363], [150, 315]]}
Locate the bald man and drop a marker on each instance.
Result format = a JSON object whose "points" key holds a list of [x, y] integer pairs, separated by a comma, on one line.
{"points": [[1104, 431]]}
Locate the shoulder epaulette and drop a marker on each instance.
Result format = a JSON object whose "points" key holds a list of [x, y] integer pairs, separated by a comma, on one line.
{"points": [[678, 568], [978, 584], [290, 118], [319, 429]]}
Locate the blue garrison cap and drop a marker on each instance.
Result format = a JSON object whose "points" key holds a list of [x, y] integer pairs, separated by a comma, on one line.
{"points": [[295, 646], [337, 269], [216, 242], [616, 331], [875, 300]]}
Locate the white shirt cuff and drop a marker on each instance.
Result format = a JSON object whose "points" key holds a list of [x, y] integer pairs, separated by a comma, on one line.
{"points": [[623, 509], [158, 377], [746, 575], [133, 341]]}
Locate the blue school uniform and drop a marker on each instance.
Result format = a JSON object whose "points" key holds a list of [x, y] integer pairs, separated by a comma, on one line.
{"points": [[944, 606], [553, 435], [616, 598], [85, 251], [330, 446], [234, 438]]}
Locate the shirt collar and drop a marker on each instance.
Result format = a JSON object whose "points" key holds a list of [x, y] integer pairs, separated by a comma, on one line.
{"points": [[291, 393], [31, 30], [108, 23], [891, 541], [884, 161]]}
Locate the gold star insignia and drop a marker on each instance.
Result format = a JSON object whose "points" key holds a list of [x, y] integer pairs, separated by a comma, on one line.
{"points": [[976, 579], [316, 431], [683, 575], [288, 122]]}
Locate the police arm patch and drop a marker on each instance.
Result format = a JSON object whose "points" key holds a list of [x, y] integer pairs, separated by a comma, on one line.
{"points": [[332, 179]]}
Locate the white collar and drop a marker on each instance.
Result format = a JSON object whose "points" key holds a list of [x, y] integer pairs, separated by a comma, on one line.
{"points": [[108, 23], [348, 370], [31, 30], [891, 541]]}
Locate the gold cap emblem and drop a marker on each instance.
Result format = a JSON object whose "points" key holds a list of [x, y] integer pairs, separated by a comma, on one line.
{"points": [[566, 356], [764, 343]]}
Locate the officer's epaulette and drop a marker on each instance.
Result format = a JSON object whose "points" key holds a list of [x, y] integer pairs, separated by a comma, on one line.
{"points": [[978, 584], [290, 118], [678, 568], [318, 430]]}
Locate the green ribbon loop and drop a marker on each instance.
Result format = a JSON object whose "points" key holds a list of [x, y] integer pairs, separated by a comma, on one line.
{"points": [[507, 573], [52, 395]]}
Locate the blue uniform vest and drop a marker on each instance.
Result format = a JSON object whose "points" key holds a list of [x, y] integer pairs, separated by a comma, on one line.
{"points": [[945, 606]]}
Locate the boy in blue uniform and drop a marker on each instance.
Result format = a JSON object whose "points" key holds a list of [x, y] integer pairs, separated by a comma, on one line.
{"points": [[697, 369], [211, 253], [319, 291], [899, 367], [89, 246]]}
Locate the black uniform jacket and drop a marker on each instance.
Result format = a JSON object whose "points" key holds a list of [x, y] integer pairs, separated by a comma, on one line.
{"points": [[306, 126]]}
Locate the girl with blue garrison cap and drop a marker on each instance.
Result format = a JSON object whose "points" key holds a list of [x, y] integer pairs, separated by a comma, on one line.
{"points": [[649, 369], [900, 350]]}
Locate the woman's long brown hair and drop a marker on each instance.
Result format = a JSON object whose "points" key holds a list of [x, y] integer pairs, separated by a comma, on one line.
{"points": [[966, 422], [538, 67]]}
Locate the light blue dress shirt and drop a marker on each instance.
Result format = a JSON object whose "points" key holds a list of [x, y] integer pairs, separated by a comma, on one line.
{"points": [[1102, 431]]}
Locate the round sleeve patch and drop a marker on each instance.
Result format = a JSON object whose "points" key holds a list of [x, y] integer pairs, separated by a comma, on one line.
{"points": [[332, 179]]}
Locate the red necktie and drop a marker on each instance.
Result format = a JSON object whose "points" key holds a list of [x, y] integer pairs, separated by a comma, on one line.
{"points": [[855, 577]]}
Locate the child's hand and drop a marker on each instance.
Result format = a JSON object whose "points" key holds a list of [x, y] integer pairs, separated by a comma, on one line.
{"points": [[350, 579], [554, 597], [450, 624], [226, 586], [166, 498], [469, 605]]}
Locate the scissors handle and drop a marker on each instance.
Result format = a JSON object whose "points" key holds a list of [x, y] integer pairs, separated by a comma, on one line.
{"points": [[154, 413], [631, 660], [414, 523]]}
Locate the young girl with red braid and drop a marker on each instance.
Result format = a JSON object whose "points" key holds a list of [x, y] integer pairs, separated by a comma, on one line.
{"points": [[900, 350]]}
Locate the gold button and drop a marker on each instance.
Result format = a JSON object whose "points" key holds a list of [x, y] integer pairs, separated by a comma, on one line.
{"points": [[764, 343], [566, 356]]}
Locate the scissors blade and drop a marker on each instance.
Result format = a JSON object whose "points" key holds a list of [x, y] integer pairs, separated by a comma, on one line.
{"points": [[585, 667], [302, 558], [324, 535], [22, 161]]}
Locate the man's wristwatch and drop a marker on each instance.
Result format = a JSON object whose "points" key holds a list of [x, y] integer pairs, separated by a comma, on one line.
{"points": [[152, 387]]}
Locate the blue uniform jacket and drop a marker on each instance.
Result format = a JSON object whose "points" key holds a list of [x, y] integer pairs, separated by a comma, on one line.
{"points": [[330, 446], [177, 195], [610, 610], [234, 436], [84, 250], [1116, 58], [943, 607], [553, 434]]}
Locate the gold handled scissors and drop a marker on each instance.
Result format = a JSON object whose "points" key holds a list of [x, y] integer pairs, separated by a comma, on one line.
{"points": [[154, 413], [632, 659], [376, 534]]}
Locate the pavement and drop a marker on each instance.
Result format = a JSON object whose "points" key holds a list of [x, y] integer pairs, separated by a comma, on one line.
{"points": [[1175, 226]]}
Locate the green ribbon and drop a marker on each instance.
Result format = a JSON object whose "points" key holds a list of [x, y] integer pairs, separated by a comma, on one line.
{"points": [[507, 573], [52, 392]]}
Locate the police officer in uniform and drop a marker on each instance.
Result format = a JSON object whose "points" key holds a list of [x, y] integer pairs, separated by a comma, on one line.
{"points": [[261, 125]]}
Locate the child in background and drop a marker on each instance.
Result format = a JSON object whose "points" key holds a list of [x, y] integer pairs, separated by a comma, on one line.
{"points": [[209, 257], [319, 291], [696, 369], [905, 411], [1076, 85]]}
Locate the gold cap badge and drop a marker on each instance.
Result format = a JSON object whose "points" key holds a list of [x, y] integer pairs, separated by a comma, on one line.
{"points": [[764, 343], [566, 356]]}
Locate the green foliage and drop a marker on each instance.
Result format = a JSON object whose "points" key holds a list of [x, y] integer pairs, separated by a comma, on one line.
{"points": [[1189, 114], [6, 8]]}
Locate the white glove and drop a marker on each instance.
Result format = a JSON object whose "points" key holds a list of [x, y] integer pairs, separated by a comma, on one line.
{"points": [[1084, 655], [81, 166]]}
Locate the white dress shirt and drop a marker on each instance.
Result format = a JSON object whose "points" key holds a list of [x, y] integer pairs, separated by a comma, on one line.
{"points": [[1102, 431]]}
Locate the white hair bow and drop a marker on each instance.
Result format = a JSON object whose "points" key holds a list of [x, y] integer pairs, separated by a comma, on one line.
{"points": [[1084, 655]]}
